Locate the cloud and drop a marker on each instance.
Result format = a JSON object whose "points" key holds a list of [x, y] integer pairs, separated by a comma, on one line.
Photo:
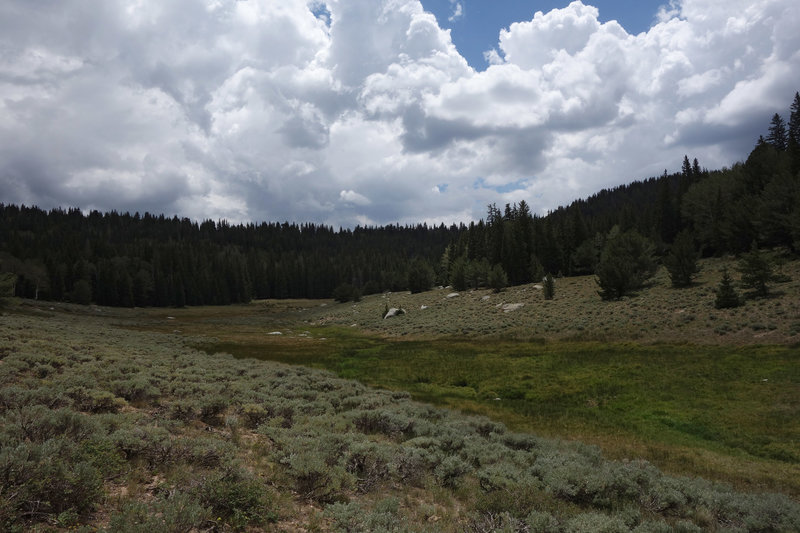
{"points": [[353, 197], [355, 111], [458, 11]]}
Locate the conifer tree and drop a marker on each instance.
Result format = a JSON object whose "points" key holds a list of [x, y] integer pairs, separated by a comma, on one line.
{"points": [[420, 276], [458, 274], [686, 176], [681, 262], [498, 280], [726, 294], [794, 133], [8, 281], [777, 133], [626, 263], [757, 270]]}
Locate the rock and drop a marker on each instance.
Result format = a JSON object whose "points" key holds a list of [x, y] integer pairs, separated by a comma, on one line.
{"points": [[511, 307], [394, 311], [453, 295], [538, 287], [423, 307], [275, 333], [486, 298]]}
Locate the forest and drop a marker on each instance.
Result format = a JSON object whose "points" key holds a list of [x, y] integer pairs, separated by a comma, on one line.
{"points": [[123, 259]]}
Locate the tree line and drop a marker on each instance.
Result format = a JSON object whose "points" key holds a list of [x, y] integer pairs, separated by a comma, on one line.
{"points": [[618, 234], [145, 260]]}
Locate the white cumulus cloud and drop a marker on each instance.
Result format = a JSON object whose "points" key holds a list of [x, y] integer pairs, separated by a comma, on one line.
{"points": [[354, 111]]}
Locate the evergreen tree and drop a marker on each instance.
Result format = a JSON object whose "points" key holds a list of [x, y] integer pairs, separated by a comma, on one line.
{"points": [[681, 262], [696, 169], [82, 292], [536, 268], [549, 286], [686, 176], [777, 133], [458, 274], [8, 281], [626, 263], [686, 168], [726, 294], [794, 133], [420, 276], [668, 216], [584, 258], [757, 270], [498, 280], [346, 292]]}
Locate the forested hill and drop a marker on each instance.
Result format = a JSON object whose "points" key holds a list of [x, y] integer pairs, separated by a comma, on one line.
{"points": [[714, 212], [125, 260]]}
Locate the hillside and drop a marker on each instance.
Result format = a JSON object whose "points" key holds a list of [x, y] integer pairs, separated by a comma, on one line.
{"points": [[659, 313]]}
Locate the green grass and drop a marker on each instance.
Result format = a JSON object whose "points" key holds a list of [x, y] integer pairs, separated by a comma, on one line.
{"points": [[738, 404]]}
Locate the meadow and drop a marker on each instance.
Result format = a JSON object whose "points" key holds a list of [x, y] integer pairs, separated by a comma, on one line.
{"points": [[566, 415]]}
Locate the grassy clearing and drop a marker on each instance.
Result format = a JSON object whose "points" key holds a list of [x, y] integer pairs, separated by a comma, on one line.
{"points": [[715, 410], [118, 429]]}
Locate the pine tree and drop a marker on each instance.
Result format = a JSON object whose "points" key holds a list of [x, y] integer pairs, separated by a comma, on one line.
{"points": [[794, 133], [757, 270], [686, 176], [681, 262], [420, 276], [777, 133], [626, 263], [8, 282], [726, 294], [498, 280], [696, 169], [458, 274], [686, 167]]}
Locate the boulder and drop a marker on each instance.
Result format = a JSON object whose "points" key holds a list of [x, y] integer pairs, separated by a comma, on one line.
{"points": [[394, 311]]}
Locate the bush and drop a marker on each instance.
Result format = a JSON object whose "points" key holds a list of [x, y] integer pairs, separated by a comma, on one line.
{"points": [[136, 389], [176, 513], [237, 498], [95, 401], [346, 292], [596, 522], [369, 463], [254, 414], [315, 479], [450, 470], [42, 481]]}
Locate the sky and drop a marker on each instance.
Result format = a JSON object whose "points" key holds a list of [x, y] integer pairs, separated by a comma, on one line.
{"points": [[374, 112]]}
